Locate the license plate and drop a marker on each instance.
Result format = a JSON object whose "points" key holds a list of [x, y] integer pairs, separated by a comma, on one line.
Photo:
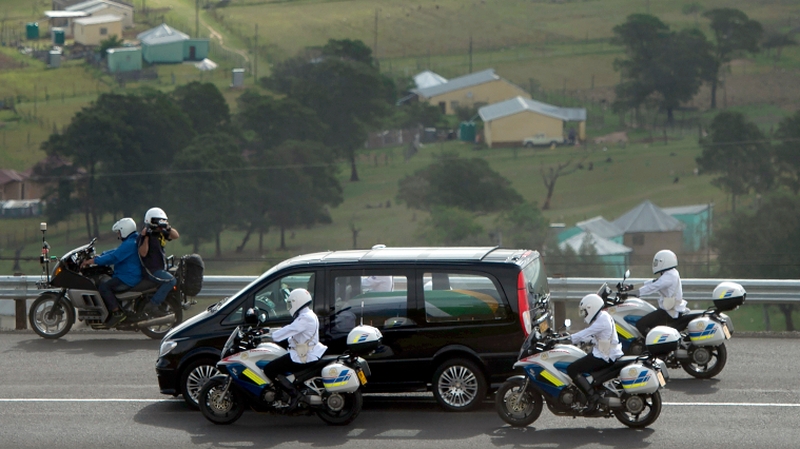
{"points": [[362, 378], [726, 331], [661, 378]]}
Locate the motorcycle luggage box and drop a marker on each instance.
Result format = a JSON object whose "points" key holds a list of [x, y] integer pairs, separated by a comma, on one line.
{"points": [[661, 340], [726, 304]]}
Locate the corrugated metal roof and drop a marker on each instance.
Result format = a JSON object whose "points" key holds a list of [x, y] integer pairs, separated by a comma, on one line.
{"points": [[473, 79], [602, 246], [123, 49], [520, 104], [161, 34], [428, 79], [65, 14], [8, 175], [600, 226], [686, 210], [647, 217], [95, 5], [94, 20]]}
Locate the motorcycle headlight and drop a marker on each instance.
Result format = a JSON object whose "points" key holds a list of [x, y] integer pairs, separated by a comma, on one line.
{"points": [[166, 347]]}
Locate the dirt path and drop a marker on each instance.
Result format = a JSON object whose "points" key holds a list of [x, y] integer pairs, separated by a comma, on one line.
{"points": [[215, 35]]}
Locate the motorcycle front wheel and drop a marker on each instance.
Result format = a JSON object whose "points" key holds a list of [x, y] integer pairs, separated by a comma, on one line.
{"points": [[158, 332], [706, 362], [219, 407], [51, 315], [345, 415], [639, 411], [517, 405]]}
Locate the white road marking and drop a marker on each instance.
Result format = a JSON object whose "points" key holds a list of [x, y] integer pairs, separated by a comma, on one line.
{"points": [[85, 400], [731, 404]]}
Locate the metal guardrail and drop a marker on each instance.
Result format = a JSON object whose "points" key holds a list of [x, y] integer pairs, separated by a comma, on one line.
{"points": [[762, 291]]}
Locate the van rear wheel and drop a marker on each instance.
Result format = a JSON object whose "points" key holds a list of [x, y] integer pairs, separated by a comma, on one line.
{"points": [[459, 385]]}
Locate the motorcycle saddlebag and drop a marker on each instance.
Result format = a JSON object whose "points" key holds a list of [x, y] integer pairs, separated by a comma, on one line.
{"points": [[661, 340], [191, 274]]}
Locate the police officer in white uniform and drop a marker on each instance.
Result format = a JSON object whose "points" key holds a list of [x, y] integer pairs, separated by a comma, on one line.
{"points": [[304, 345], [607, 348], [671, 304]]}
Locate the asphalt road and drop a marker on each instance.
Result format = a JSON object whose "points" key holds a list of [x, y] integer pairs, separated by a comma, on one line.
{"points": [[98, 390]]}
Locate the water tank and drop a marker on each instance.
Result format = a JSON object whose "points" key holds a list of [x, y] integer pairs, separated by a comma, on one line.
{"points": [[238, 78], [467, 131], [32, 30], [58, 36], [54, 59]]}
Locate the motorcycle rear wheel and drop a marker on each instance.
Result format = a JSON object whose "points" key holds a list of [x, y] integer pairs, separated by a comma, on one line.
{"points": [[516, 406], [158, 332], [217, 407], [649, 413], [51, 316], [717, 354], [352, 407]]}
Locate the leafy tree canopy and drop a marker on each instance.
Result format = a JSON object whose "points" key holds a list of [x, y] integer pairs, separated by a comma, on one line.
{"points": [[787, 153], [451, 226], [524, 226], [469, 184], [205, 106]]}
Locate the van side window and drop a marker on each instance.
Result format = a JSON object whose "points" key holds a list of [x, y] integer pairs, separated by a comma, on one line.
{"points": [[384, 298], [461, 297], [271, 298]]}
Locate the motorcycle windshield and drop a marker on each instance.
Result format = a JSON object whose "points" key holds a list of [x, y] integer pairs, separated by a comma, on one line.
{"points": [[231, 340]]}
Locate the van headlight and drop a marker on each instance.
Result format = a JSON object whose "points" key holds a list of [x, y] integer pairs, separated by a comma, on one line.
{"points": [[166, 347]]}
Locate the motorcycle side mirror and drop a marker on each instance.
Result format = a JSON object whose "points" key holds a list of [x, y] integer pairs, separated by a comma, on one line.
{"points": [[567, 323], [251, 316], [627, 275]]}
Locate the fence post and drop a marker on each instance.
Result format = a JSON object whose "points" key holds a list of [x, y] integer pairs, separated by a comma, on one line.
{"points": [[20, 305]]}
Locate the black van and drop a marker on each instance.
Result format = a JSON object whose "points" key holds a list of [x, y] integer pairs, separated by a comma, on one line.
{"points": [[452, 319]]}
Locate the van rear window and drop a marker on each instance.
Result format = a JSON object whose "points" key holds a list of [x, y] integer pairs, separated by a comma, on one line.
{"points": [[461, 297]]}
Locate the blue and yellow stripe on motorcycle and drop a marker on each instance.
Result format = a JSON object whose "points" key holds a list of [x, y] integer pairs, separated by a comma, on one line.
{"points": [[704, 334], [623, 333], [339, 380], [640, 380], [253, 376]]}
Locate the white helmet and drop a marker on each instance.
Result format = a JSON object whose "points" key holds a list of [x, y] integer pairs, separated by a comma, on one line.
{"points": [[125, 226], [589, 307], [664, 260], [298, 298], [154, 215]]}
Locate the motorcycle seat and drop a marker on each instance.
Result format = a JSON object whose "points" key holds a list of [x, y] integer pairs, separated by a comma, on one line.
{"points": [[312, 369], [611, 371]]}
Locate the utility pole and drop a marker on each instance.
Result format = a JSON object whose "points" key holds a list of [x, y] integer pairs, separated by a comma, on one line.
{"points": [[255, 58], [197, 18], [470, 53], [375, 44]]}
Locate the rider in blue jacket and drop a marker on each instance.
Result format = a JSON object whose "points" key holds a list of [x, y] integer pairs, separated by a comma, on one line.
{"points": [[127, 268]]}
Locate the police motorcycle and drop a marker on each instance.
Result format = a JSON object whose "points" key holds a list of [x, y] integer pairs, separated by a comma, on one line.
{"points": [[70, 288], [628, 389], [330, 387], [701, 351]]}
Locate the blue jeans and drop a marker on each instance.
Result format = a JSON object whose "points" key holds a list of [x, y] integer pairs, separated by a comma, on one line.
{"points": [[166, 281], [107, 290]]}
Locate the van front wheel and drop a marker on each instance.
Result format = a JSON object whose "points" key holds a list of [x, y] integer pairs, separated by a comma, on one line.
{"points": [[459, 385]]}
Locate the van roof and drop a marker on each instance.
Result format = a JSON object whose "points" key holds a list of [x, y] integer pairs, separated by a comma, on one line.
{"points": [[414, 255]]}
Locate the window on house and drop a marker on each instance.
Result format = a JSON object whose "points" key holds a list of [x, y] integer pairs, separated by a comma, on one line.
{"points": [[638, 239], [103, 31]]}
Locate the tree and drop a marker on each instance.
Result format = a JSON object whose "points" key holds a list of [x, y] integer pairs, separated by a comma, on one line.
{"points": [[469, 184], [524, 226], [349, 95], [763, 245], [551, 175], [205, 106], [693, 8], [451, 226], [664, 67], [113, 41], [787, 153], [778, 41], [299, 182], [739, 152], [734, 33], [204, 188]]}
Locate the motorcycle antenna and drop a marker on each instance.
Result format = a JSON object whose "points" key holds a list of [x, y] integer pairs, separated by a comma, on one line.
{"points": [[44, 259]]}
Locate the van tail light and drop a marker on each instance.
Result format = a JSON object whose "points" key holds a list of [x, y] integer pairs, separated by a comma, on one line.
{"points": [[522, 304]]}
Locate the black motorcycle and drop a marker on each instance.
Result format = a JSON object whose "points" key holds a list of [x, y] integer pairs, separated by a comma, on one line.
{"points": [[72, 288]]}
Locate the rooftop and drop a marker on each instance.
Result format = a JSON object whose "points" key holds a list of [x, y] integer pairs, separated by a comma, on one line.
{"points": [[473, 79], [520, 104]]}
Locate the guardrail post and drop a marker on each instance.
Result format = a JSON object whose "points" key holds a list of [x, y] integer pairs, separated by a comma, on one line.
{"points": [[21, 303]]}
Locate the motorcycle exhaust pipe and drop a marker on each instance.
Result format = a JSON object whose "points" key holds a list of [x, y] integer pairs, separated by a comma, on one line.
{"points": [[167, 319]]}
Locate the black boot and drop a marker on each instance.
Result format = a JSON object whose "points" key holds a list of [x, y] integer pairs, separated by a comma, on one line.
{"points": [[591, 397], [288, 387]]}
